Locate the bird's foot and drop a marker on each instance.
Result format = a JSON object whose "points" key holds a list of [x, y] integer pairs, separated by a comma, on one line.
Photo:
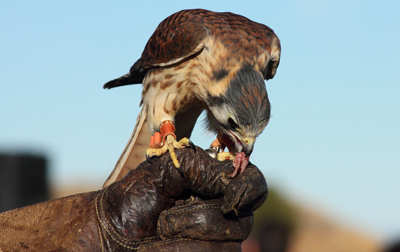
{"points": [[159, 146]]}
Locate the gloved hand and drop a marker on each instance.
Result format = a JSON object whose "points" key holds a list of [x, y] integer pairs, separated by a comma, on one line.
{"points": [[154, 208]]}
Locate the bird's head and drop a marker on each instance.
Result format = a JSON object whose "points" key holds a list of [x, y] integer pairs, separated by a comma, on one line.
{"points": [[240, 114]]}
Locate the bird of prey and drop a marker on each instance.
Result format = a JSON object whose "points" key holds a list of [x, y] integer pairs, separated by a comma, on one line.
{"points": [[200, 60]]}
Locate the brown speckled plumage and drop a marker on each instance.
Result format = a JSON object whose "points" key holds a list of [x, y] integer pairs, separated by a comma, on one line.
{"points": [[196, 60]]}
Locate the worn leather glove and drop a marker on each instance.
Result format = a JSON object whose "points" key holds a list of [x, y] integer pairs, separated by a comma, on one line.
{"points": [[154, 208]]}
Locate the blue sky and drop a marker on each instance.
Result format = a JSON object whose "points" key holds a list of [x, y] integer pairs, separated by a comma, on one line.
{"points": [[333, 139]]}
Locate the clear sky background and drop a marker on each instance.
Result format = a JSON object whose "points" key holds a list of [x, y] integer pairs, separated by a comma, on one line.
{"points": [[333, 139]]}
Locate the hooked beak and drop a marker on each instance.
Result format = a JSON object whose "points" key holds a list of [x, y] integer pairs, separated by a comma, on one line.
{"points": [[247, 145], [248, 148], [238, 145]]}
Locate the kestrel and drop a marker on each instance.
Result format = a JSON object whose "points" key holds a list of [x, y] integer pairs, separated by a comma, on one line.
{"points": [[200, 60]]}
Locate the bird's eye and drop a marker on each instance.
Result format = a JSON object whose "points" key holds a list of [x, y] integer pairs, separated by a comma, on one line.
{"points": [[232, 123]]}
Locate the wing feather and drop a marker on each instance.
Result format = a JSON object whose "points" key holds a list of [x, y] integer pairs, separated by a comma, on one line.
{"points": [[133, 153]]}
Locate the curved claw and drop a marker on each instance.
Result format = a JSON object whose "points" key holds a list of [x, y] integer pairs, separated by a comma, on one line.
{"points": [[191, 145], [180, 171], [148, 158]]}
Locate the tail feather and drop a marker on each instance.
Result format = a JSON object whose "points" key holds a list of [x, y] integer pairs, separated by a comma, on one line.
{"points": [[134, 152]]}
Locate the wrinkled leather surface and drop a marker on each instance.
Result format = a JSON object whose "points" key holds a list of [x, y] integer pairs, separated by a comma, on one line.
{"points": [[191, 245], [203, 220], [66, 224], [154, 208]]}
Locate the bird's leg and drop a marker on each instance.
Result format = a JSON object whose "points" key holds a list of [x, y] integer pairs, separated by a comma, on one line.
{"points": [[168, 143], [155, 140], [167, 129], [219, 147]]}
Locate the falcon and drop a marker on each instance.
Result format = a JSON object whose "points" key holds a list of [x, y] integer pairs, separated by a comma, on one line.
{"points": [[200, 60]]}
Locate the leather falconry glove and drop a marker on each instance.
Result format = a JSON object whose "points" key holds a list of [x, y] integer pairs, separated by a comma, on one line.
{"points": [[153, 208]]}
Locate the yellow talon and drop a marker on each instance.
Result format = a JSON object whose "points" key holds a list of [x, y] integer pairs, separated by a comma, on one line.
{"points": [[170, 145], [171, 142]]}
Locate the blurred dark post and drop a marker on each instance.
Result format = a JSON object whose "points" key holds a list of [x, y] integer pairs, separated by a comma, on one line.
{"points": [[23, 180]]}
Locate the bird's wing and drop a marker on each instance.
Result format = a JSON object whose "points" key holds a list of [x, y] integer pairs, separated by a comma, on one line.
{"points": [[177, 38], [134, 152]]}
